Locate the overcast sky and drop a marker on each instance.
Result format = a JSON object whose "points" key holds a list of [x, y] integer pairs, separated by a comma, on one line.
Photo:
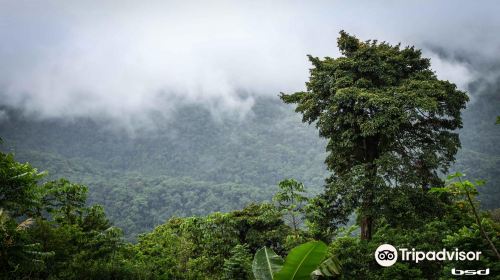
{"points": [[125, 59]]}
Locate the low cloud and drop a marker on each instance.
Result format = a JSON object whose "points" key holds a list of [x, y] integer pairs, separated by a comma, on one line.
{"points": [[123, 60]]}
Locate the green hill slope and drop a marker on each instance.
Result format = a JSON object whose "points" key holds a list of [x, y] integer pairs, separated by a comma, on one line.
{"points": [[194, 164]]}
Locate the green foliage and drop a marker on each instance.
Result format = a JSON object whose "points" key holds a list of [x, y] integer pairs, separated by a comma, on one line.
{"points": [[18, 186], [480, 153], [468, 238], [266, 264], [391, 128], [63, 200], [291, 201], [203, 247], [303, 262], [193, 164], [17, 253], [495, 215], [389, 121], [468, 190], [139, 203], [329, 268], [410, 208], [458, 187], [238, 266], [59, 237], [455, 228]]}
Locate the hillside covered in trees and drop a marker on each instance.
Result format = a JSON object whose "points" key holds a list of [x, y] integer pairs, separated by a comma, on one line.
{"points": [[197, 164], [202, 197], [249, 140], [192, 166]]}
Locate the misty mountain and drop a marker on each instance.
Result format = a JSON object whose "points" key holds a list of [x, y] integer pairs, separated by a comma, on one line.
{"points": [[195, 163], [192, 164]]}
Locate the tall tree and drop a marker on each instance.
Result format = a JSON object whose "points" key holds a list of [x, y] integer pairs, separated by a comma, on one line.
{"points": [[389, 120], [291, 201]]}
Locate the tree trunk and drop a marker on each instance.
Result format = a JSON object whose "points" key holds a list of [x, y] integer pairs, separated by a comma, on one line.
{"points": [[366, 222], [366, 228], [370, 154]]}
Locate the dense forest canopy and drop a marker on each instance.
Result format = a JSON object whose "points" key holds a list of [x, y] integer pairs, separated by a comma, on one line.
{"points": [[193, 166], [225, 164], [249, 140], [236, 163]]}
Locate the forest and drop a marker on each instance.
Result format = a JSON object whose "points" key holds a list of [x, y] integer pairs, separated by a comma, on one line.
{"points": [[376, 150]]}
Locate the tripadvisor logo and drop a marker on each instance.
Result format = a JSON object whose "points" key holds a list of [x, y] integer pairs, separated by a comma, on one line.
{"points": [[387, 255]]}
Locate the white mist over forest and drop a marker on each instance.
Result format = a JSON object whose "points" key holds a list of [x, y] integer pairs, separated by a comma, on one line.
{"points": [[125, 60]]}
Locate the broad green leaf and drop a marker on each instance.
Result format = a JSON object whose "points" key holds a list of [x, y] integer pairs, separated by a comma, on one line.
{"points": [[265, 264], [302, 261], [330, 268]]}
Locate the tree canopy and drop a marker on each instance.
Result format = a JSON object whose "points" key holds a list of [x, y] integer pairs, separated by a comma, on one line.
{"points": [[391, 127], [389, 121]]}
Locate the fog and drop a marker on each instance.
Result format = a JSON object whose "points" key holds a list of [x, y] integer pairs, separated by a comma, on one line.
{"points": [[125, 60]]}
